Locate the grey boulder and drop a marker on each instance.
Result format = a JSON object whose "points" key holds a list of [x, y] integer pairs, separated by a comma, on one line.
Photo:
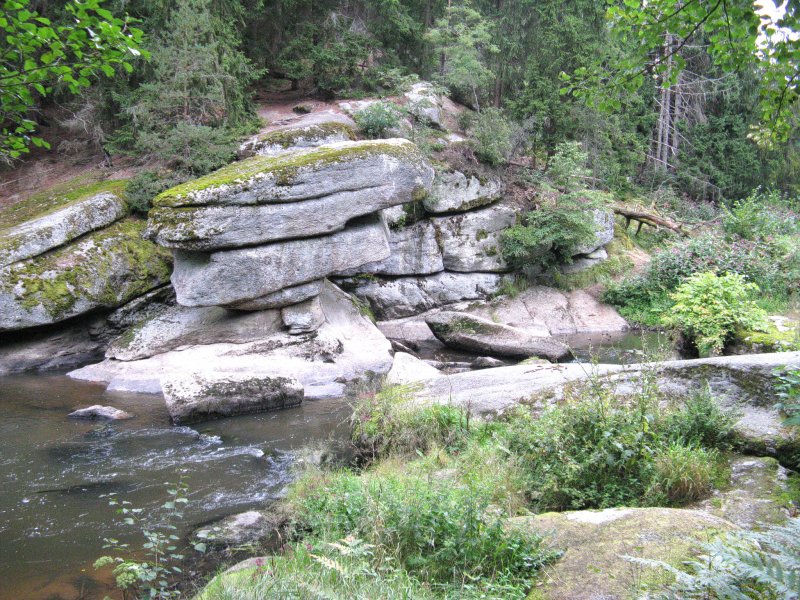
{"points": [[102, 270], [100, 412], [53, 229], [474, 334], [406, 296], [604, 231], [200, 397], [453, 191], [471, 241]]}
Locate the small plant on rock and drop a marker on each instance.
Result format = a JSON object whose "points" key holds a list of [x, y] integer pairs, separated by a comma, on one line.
{"points": [[709, 309], [376, 119]]}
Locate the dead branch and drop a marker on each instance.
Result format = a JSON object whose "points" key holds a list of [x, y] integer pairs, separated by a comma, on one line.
{"points": [[643, 217]]}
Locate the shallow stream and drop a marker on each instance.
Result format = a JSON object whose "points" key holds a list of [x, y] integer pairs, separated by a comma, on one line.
{"points": [[54, 471]]}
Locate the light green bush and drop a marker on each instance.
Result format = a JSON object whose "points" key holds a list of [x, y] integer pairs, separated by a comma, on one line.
{"points": [[709, 309], [567, 167], [376, 119], [491, 137], [685, 474]]}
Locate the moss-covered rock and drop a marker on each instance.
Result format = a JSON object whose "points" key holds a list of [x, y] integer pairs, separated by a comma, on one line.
{"points": [[344, 166], [781, 335], [50, 219], [104, 269], [759, 494], [297, 138], [595, 544]]}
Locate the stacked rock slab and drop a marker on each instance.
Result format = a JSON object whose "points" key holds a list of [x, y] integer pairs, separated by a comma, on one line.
{"points": [[66, 254], [263, 232]]}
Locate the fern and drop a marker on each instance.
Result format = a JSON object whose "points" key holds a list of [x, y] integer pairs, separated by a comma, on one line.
{"points": [[740, 566]]}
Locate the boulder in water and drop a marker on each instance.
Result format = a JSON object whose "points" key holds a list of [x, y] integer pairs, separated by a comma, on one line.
{"points": [[100, 412]]}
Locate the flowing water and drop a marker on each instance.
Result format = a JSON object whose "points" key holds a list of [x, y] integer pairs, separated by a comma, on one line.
{"points": [[54, 470]]}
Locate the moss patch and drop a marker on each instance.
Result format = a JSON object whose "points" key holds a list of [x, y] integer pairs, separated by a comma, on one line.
{"points": [[595, 543], [283, 168], [54, 199], [775, 339], [103, 269], [286, 138]]}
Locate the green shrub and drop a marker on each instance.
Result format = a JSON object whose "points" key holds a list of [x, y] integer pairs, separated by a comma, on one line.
{"points": [[491, 137], [567, 167], [387, 424], [341, 569], [709, 310], [700, 422], [376, 119], [145, 186], [549, 235], [596, 450], [437, 531], [788, 388], [645, 298], [191, 149], [685, 474], [759, 216]]}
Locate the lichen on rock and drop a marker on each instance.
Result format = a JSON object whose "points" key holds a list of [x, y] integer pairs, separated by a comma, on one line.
{"points": [[104, 269]]}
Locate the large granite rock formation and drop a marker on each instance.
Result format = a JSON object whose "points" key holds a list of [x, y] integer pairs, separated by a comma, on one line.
{"points": [[298, 136], [296, 195], [345, 347]]}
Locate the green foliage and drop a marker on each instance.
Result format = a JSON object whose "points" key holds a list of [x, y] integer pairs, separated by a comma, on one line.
{"points": [[788, 388], [709, 309], [491, 136], [550, 234], [439, 532], [760, 216], [384, 424], [376, 119], [340, 570], [150, 573], [145, 186], [686, 473], [645, 298], [567, 167], [463, 40], [38, 55], [743, 565], [597, 451], [191, 150], [732, 31]]}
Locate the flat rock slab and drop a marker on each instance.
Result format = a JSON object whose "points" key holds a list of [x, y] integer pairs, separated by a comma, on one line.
{"points": [[595, 544], [346, 347], [471, 241], [453, 191], [756, 495], [60, 225], [103, 269], [99, 412], [179, 326], [548, 311], [408, 369], [235, 277], [474, 334], [211, 395], [296, 195], [407, 296], [284, 297]]}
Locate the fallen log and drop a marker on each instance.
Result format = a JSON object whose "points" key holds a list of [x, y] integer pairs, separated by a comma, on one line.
{"points": [[648, 218]]}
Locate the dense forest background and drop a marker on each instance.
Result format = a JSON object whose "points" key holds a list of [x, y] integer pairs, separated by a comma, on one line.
{"points": [[190, 94]]}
